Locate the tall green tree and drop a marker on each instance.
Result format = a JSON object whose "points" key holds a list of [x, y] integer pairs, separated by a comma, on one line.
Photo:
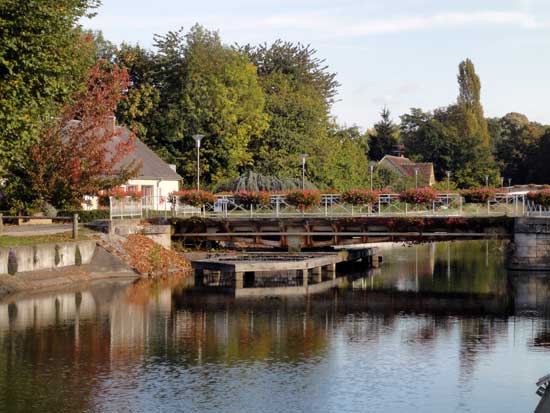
{"points": [[469, 103], [384, 137], [210, 89], [299, 92], [44, 58], [540, 171]]}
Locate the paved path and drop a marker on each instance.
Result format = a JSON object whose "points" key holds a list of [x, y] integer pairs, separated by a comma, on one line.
{"points": [[29, 230]]}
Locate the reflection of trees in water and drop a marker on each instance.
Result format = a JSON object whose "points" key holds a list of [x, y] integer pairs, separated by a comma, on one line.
{"points": [[454, 267]]}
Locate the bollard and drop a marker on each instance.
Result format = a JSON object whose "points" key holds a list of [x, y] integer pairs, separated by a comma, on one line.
{"points": [[75, 226]]}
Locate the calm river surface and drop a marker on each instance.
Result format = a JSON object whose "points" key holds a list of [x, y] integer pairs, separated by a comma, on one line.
{"points": [[439, 328]]}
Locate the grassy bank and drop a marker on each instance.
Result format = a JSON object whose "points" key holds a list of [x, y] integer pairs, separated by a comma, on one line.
{"points": [[17, 241]]}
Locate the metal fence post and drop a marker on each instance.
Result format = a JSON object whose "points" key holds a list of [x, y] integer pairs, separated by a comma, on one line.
{"points": [[75, 226], [1, 222]]}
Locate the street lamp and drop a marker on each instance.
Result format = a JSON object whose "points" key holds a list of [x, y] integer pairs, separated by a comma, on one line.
{"points": [[486, 180], [198, 139], [509, 182], [371, 173], [416, 177], [448, 181], [304, 157]]}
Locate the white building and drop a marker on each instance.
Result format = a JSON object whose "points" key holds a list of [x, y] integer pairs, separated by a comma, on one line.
{"points": [[156, 179]]}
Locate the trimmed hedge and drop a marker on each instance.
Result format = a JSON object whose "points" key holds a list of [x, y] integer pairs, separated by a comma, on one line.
{"points": [[360, 197], [85, 216], [419, 196], [478, 195], [303, 200]]}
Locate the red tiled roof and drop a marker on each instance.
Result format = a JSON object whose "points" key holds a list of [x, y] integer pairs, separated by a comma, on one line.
{"points": [[408, 167]]}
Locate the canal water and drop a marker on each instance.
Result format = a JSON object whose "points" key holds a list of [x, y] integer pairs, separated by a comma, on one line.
{"points": [[438, 328]]}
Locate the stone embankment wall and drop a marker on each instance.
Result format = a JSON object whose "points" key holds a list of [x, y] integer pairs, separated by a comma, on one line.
{"points": [[46, 256], [531, 244], [161, 234]]}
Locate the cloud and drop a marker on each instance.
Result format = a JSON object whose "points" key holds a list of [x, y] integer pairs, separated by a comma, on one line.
{"points": [[356, 27]]}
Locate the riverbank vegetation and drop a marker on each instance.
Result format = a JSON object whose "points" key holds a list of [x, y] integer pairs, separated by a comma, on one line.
{"points": [[260, 107]]}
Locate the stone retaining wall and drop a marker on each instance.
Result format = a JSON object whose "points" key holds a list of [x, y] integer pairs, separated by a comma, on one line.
{"points": [[531, 244], [47, 256]]}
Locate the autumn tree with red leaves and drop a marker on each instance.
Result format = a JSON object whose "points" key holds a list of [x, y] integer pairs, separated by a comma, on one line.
{"points": [[79, 154]]}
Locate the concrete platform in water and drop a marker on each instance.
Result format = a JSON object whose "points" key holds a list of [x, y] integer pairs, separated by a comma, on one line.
{"points": [[271, 274]]}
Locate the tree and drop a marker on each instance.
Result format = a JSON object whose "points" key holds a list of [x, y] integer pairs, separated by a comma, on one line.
{"points": [[469, 103], [79, 152], [44, 57], [385, 136], [517, 146], [210, 89], [540, 171], [299, 91]]}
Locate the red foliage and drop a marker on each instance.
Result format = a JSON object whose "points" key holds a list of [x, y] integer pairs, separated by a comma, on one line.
{"points": [[478, 195], [419, 196], [195, 198], [78, 153], [360, 197], [541, 197], [303, 200], [248, 198]]}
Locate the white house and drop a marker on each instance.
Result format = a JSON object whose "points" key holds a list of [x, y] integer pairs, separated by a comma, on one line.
{"points": [[156, 179]]}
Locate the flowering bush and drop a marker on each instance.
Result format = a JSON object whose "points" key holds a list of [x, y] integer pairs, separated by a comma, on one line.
{"points": [[419, 196], [540, 197], [303, 199], [360, 197], [248, 198], [478, 195], [195, 198], [118, 194]]}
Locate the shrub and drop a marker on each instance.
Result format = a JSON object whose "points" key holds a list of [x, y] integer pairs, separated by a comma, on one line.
{"points": [[12, 262], [360, 197], [303, 200], [85, 216], [255, 198], [195, 198], [49, 210], [478, 195], [118, 193], [541, 197], [418, 196]]}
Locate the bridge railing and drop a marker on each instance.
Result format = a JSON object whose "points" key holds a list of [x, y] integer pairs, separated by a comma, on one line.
{"points": [[330, 205], [536, 210]]}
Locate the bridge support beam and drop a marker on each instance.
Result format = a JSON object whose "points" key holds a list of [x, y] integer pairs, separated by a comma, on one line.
{"points": [[531, 250]]}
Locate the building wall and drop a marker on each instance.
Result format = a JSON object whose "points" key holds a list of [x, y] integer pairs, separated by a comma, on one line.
{"points": [[160, 187]]}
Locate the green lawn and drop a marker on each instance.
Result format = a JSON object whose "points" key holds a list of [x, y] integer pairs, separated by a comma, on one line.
{"points": [[16, 241]]}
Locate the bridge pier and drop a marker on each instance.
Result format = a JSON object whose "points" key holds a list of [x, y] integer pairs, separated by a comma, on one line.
{"points": [[531, 251]]}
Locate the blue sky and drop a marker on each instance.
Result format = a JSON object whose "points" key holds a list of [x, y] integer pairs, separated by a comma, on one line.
{"points": [[399, 53]]}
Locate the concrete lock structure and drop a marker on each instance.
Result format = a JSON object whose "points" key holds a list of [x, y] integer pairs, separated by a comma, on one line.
{"points": [[531, 248]]}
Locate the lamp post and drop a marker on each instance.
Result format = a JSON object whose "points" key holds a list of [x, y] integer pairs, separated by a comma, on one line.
{"points": [[416, 177], [448, 181], [304, 157], [509, 182], [198, 139], [486, 180], [371, 173]]}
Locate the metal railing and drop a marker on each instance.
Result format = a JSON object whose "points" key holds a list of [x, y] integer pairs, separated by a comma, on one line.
{"points": [[330, 205], [18, 218], [535, 210]]}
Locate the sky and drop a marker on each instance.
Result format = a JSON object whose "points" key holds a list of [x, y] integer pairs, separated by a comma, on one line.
{"points": [[395, 53]]}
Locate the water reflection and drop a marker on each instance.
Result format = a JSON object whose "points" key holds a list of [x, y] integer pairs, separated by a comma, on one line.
{"points": [[440, 319]]}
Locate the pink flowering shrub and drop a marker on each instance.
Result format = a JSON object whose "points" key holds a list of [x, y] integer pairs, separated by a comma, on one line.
{"points": [[541, 197], [255, 198], [360, 197], [419, 196], [478, 195], [303, 200], [195, 198], [118, 194]]}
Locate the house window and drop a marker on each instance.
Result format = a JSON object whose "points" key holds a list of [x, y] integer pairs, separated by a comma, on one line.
{"points": [[132, 188]]}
